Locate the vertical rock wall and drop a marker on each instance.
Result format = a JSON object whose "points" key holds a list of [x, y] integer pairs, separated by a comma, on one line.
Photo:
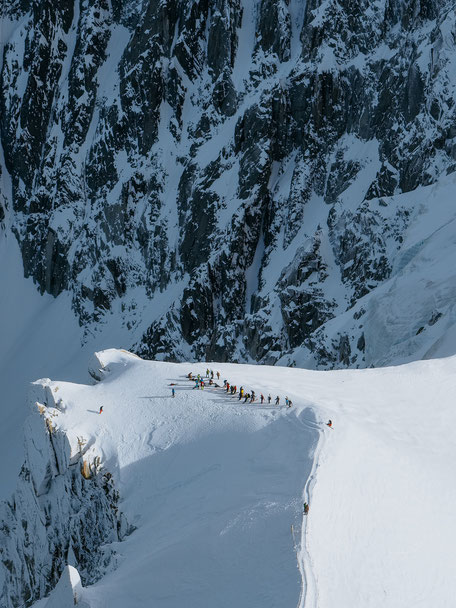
{"points": [[212, 172], [56, 516]]}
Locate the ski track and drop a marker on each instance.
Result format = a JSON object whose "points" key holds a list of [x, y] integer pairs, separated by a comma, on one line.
{"points": [[309, 591]]}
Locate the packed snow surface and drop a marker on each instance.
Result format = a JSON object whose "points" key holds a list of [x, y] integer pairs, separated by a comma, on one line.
{"points": [[212, 485], [215, 487]]}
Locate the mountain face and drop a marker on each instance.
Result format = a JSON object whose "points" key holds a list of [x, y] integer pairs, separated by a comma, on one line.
{"points": [[234, 179]]}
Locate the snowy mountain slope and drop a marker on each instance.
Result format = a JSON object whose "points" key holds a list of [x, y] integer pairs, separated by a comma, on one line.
{"points": [[209, 483], [212, 176], [381, 529], [410, 315], [214, 485]]}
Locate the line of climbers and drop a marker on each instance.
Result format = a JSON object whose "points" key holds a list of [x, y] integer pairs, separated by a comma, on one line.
{"points": [[231, 389], [248, 397]]}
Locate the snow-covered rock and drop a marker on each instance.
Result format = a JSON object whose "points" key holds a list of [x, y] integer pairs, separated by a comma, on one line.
{"points": [[64, 509], [68, 591], [228, 179]]}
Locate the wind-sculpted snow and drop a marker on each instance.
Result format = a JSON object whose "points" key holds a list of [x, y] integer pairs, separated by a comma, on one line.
{"points": [[68, 591], [226, 179]]}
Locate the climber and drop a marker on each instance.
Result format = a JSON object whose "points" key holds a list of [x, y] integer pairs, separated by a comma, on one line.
{"points": [[218, 375], [290, 402], [173, 392], [306, 508], [277, 401], [261, 398], [269, 398], [227, 387], [329, 423], [286, 401], [247, 396], [101, 409]]}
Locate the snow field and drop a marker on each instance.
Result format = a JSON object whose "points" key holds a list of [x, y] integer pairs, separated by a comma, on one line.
{"points": [[214, 485], [381, 529]]}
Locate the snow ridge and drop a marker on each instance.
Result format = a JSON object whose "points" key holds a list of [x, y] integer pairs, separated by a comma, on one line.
{"points": [[207, 480], [213, 485]]}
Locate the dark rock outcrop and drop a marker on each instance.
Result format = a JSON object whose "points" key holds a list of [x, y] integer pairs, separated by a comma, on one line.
{"points": [[175, 158]]}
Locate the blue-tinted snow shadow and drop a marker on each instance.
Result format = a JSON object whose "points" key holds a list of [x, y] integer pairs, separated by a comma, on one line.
{"points": [[217, 527]]}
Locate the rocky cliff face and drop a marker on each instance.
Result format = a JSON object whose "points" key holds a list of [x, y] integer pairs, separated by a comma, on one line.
{"points": [[64, 511], [224, 176]]}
